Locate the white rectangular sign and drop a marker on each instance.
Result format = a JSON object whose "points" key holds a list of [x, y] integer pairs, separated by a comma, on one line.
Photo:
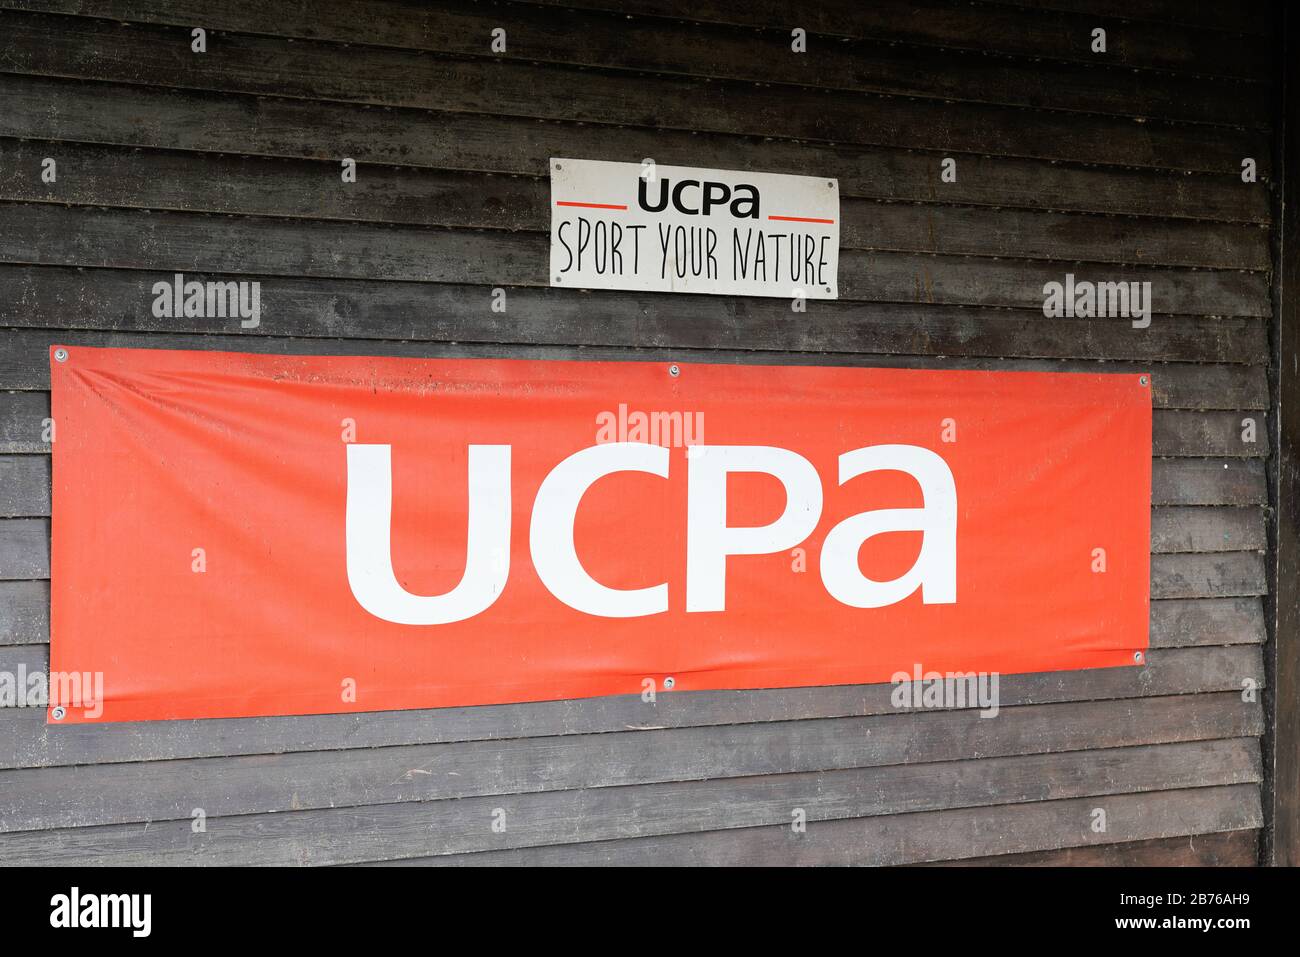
{"points": [[682, 229]]}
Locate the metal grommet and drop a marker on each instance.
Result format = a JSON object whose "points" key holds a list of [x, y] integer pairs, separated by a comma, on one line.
{"points": [[1142, 380], [60, 355], [58, 713], [669, 682], [674, 371], [1137, 656]]}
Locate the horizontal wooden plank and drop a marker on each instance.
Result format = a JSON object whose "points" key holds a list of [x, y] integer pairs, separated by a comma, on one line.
{"points": [[649, 801], [25, 422], [993, 28], [45, 234], [905, 839], [54, 109], [95, 50], [24, 548], [60, 297], [24, 612], [25, 426], [1180, 622], [197, 182], [1208, 482], [1210, 434], [1253, 18], [1202, 529], [1227, 574], [27, 741], [1225, 849], [594, 39], [24, 485]]}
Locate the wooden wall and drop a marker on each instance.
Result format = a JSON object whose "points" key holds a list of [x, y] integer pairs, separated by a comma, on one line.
{"points": [[1123, 165]]}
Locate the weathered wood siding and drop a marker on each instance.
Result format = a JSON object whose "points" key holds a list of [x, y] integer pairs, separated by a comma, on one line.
{"points": [[1123, 165]]}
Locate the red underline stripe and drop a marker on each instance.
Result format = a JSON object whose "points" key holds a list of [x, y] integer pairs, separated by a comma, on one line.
{"points": [[784, 219], [800, 219]]}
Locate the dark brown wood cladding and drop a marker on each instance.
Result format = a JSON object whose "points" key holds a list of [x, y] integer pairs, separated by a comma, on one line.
{"points": [[1281, 748], [1117, 166]]}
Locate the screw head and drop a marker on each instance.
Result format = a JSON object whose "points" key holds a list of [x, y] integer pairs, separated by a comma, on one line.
{"points": [[58, 713], [674, 371], [670, 682], [60, 355]]}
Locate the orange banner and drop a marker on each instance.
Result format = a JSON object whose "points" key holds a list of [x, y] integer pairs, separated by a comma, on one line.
{"points": [[256, 535]]}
